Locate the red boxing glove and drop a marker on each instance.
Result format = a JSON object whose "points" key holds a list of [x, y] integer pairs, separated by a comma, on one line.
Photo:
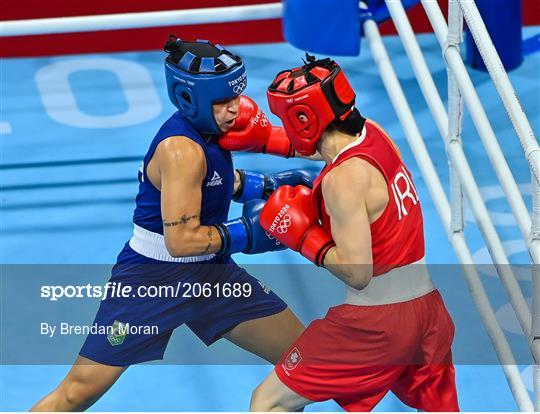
{"points": [[289, 216], [252, 132]]}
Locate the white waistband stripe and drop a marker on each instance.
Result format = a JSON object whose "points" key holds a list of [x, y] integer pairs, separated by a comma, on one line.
{"points": [[399, 285], [152, 245]]}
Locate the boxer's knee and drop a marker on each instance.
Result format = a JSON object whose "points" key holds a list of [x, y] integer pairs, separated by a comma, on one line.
{"points": [[79, 395], [263, 400], [83, 385], [273, 395], [69, 396]]}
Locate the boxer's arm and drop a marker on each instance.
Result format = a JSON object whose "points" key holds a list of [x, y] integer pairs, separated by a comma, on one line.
{"points": [[182, 167], [237, 182], [344, 190]]}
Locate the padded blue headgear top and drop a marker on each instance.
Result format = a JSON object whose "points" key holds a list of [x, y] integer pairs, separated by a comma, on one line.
{"points": [[199, 74]]}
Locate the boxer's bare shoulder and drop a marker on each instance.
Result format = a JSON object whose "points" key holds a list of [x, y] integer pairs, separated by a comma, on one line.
{"points": [[179, 148], [353, 178], [346, 183], [173, 154]]}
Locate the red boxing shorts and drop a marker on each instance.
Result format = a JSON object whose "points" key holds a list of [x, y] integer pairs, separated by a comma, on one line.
{"points": [[356, 354]]}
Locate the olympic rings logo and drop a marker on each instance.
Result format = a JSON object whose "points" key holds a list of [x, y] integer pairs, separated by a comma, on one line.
{"points": [[238, 89], [281, 222], [284, 224], [271, 237]]}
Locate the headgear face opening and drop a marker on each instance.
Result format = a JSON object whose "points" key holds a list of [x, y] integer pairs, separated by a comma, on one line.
{"points": [[199, 74], [308, 98]]}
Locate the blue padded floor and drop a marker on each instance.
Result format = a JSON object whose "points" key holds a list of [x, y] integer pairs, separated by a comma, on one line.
{"points": [[59, 208]]}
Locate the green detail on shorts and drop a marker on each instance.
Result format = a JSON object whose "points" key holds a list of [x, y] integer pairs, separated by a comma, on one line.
{"points": [[118, 333]]}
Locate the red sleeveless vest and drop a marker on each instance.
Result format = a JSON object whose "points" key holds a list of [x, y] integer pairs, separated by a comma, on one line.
{"points": [[397, 236]]}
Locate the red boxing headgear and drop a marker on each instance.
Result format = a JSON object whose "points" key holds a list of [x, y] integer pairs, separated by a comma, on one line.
{"points": [[308, 98]]}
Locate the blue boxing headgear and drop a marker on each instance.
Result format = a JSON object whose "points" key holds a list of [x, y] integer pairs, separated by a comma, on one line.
{"points": [[199, 74]]}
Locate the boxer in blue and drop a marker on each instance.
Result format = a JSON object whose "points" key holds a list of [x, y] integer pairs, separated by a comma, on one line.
{"points": [[182, 235]]}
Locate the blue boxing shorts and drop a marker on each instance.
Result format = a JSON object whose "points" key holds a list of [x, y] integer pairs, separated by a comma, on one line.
{"points": [[210, 297]]}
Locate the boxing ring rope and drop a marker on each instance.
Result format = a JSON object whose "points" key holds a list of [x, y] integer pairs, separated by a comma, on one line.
{"points": [[460, 91], [140, 20], [459, 83], [478, 114], [503, 85], [457, 156], [452, 221], [455, 151], [455, 112], [530, 147]]}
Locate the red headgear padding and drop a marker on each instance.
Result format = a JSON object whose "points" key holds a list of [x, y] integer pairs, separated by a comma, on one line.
{"points": [[307, 99]]}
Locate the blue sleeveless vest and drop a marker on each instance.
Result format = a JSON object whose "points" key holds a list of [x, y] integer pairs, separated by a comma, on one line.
{"points": [[217, 186]]}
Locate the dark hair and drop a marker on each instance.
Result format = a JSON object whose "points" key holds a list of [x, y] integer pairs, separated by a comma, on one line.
{"points": [[352, 125]]}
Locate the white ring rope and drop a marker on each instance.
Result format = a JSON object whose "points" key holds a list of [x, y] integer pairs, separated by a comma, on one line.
{"points": [[502, 84], [140, 20], [437, 193], [481, 121]]}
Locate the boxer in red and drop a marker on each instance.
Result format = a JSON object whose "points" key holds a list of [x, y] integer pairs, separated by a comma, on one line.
{"points": [[363, 222]]}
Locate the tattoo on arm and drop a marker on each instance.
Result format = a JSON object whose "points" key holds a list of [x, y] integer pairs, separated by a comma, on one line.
{"points": [[183, 220], [209, 234], [207, 248]]}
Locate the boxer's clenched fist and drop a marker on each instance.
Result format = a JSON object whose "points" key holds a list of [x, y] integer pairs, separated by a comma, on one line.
{"points": [[252, 132], [290, 217]]}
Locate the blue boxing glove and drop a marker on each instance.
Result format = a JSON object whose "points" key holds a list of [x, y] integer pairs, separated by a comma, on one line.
{"points": [[260, 186], [245, 234]]}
